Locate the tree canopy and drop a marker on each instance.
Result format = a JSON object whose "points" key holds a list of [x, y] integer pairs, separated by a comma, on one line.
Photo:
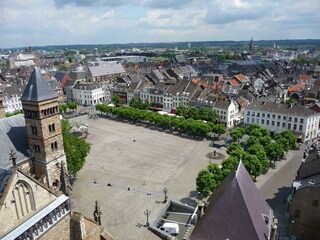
{"points": [[76, 149]]}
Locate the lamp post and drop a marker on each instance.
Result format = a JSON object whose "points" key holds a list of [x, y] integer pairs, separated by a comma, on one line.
{"points": [[147, 213], [165, 191]]}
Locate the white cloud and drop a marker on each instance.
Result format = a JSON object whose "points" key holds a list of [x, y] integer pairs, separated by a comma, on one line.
{"points": [[47, 22]]}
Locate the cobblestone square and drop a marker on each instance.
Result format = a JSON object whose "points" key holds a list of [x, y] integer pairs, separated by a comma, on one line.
{"points": [[142, 160]]}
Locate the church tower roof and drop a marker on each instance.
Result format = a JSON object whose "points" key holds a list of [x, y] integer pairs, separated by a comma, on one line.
{"points": [[37, 89]]}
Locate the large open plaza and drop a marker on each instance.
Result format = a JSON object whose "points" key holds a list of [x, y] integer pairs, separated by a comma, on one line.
{"points": [[142, 160]]}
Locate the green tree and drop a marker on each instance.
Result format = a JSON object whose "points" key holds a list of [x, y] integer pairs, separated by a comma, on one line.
{"points": [[56, 63], [116, 100], [205, 182], [290, 137], [203, 113], [62, 108], [216, 171], [234, 146], [76, 149], [237, 133], [192, 113], [181, 110], [253, 165], [229, 162], [212, 116], [219, 129], [72, 105], [250, 128], [63, 67]]}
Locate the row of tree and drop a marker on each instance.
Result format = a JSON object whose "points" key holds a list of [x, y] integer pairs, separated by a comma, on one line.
{"points": [[173, 123], [76, 149], [138, 103], [204, 114], [256, 153], [69, 105]]}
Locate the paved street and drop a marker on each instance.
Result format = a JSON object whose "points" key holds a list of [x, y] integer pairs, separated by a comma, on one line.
{"points": [[276, 188]]}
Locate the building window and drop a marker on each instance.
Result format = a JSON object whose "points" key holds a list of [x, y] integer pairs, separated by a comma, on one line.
{"points": [[301, 120], [272, 123], [315, 203], [283, 125], [284, 117], [278, 124], [279, 117], [297, 213], [258, 114], [263, 114], [267, 122], [295, 120], [290, 119], [34, 130], [268, 115], [54, 145], [36, 148], [295, 127], [273, 116], [52, 127], [262, 121], [289, 126], [300, 128]]}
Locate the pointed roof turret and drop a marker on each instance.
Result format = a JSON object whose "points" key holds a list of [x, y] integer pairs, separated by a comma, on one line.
{"points": [[236, 210], [37, 89]]}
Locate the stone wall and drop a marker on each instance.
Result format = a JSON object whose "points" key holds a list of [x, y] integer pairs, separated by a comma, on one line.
{"points": [[60, 231]]}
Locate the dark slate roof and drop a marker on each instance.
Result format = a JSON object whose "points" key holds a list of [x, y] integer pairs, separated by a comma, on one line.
{"points": [[37, 88], [4, 177], [236, 210], [296, 110], [222, 104], [13, 136], [77, 75]]}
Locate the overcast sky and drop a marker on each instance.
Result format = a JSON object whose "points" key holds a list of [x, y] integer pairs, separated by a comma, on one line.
{"points": [[55, 22]]}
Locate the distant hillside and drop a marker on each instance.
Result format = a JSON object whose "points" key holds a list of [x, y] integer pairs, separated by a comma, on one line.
{"points": [[296, 43]]}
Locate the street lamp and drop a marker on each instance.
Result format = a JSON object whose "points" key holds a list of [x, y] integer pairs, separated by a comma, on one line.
{"points": [[165, 191], [147, 213]]}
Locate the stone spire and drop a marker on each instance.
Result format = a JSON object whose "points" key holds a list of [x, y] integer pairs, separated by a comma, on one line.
{"points": [[97, 213], [37, 89], [64, 180]]}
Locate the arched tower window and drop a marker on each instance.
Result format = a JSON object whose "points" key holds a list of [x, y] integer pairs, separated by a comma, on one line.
{"points": [[23, 199]]}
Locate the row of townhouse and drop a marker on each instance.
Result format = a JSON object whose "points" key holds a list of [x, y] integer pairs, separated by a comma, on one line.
{"points": [[186, 93], [277, 117]]}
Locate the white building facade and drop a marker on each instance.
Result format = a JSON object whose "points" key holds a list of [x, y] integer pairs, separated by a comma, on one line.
{"points": [[88, 94], [11, 98], [278, 117], [228, 112]]}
